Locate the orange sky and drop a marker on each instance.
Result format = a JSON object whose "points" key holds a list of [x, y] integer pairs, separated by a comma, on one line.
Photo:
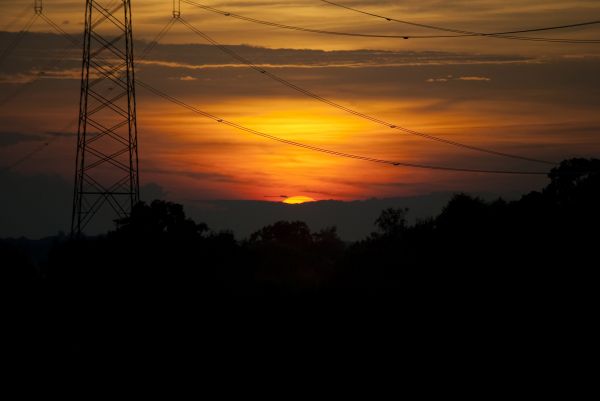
{"points": [[531, 99]]}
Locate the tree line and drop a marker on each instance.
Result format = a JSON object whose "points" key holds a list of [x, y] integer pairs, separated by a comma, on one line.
{"points": [[544, 237]]}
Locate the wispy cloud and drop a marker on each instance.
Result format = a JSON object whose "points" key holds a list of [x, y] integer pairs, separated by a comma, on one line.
{"points": [[36, 74], [13, 138], [484, 79], [449, 78], [196, 175], [17, 79]]}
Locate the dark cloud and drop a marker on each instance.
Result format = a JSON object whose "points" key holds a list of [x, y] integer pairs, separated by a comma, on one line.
{"points": [[201, 176], [199, 56], [13, 138], [56, 134], [38, 49]]}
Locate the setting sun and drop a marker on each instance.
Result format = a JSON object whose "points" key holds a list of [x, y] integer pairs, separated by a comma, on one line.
{"points": [[296, 200]]}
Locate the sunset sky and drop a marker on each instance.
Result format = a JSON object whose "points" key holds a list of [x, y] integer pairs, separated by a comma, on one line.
{"points": [[540, 100]]}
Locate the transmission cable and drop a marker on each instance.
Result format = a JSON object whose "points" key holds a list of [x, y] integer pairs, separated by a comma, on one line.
{"points": [[157, 39], [76, 42], [366, 35], [40, 148], [17, 18], [324, 150], [15, 42], [308, 93], [61, 31], [294, 143], [470, 33]]}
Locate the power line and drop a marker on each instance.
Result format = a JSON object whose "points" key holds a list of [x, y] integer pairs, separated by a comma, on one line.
{"points": [[324, 150], [37, 150], [40, 74], [158, 38], [15, 42], [461, 35], [308, 93], [75, 42], [16, 19], [48, 66], [464, 32], [61, 31], [285, 141], [25, 158]]}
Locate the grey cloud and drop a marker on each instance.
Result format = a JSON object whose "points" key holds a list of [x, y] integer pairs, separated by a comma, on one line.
{"points": [[64, 134], [13, 138], [39, 49], [202, 56], [196, 175], [448, 78]]}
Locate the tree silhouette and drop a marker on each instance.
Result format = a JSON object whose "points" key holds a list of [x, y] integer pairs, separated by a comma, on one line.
{"points": [[540, 249], [15, 264], [288, 256], [481, 244], [159, 220], [392, 222]]}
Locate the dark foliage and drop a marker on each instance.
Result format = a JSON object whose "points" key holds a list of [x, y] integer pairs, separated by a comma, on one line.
{"points": [[87, 294], [543, 237]]}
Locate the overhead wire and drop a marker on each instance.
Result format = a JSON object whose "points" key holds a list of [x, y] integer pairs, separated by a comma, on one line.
{"points": [[39, 75], [465, 32], [25, 157], [53, 63], [61, 31], [17, 39], [158, 38], [18, 17], [405, 36], [38, 149], [293, 143], [356, 113], [298, 144], [324, 150], [146, 52]]}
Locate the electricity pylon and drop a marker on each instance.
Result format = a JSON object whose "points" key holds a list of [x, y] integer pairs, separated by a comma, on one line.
{"points": [[106, 173]]}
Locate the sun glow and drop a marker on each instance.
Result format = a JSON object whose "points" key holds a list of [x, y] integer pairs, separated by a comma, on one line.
{"points": [[296, 200]]}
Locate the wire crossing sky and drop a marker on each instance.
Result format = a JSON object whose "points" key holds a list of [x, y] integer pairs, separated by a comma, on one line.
{"points": [[161, 94], [499, 104], [464, 33], [461, 33], [351, 111], [329, 151]]}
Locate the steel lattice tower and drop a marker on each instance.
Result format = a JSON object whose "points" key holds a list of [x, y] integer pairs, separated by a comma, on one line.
{"points": [[106, 173]]}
